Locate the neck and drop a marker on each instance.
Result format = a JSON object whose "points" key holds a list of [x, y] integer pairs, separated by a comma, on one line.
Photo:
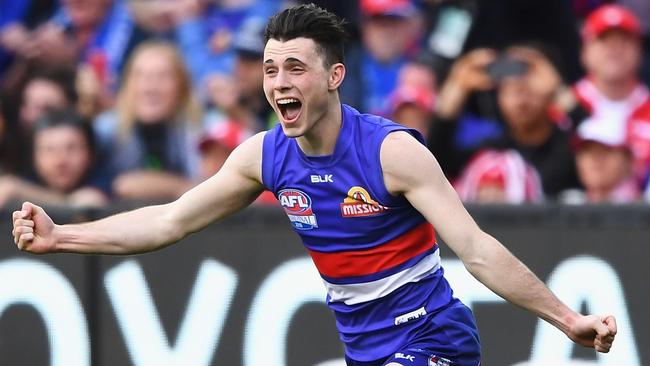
{"points": [[321, 139], [615, 89], [535, 134], [598, 195]]}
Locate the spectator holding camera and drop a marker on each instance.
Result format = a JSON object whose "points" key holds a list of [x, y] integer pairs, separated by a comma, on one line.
{"points": [[63, 158], [525, 82]]}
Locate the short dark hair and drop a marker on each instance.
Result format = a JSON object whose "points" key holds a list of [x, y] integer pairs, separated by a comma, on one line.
{"points": [[66, 118], [309, 21], [62, 76]]}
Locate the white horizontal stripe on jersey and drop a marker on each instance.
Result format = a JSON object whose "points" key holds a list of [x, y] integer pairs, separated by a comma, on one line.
{"points": [[357, 293]]}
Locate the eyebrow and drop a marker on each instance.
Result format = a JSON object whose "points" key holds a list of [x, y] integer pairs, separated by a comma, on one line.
{"points": [[293, 60], [290, 60]]}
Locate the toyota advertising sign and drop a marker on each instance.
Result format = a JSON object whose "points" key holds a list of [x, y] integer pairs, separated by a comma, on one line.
{"points": [[244, 292]]}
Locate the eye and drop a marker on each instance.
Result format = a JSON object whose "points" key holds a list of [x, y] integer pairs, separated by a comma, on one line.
{"points": [[270, 71], [297, 69]]}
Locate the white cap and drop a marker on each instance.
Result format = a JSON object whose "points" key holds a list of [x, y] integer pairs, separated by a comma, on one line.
{"points": [[609, 133]]}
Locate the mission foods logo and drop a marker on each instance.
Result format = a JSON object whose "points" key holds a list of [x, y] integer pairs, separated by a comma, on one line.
{"points": [[358, 203], [297, 205]]}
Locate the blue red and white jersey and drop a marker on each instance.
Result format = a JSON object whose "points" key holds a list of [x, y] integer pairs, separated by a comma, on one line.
{"points": [[376, 254]]}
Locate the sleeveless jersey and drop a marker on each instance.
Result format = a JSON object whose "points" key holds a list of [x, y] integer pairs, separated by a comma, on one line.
{"points": [[376, 254]]}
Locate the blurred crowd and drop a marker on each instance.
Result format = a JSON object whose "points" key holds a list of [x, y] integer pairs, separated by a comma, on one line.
{"points": [[520, 101]]}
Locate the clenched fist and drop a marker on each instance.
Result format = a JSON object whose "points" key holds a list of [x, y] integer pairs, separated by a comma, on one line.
{"points": [[33, 229], [594, 331]]}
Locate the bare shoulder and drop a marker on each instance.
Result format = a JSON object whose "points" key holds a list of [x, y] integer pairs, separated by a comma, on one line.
{"points": [[246, 159], [398, 149], [405, 162], [252, 146], [399, 145]]}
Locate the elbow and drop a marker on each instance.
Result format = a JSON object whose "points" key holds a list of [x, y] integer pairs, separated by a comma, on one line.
{"points": [[171, 227], [174, 234], [475, 258], [475, 266]]}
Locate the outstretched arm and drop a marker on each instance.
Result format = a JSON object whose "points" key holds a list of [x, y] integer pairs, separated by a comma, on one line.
{"points": [[235, 186], [424, 185]]}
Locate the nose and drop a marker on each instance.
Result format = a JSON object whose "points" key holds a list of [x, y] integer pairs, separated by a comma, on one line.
{"points": [[59, 155], [282, 82]]}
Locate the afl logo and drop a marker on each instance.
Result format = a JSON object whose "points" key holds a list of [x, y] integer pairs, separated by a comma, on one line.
{"points": [[297, 205]]}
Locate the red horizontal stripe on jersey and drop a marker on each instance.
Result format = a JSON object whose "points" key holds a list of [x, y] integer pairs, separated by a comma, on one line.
{"points": [[368, 261]]}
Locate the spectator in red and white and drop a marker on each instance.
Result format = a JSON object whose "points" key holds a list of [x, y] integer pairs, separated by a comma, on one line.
{"points": [[611, 54], [605, 165], [612, 92], [494, 176], [391, 33]]}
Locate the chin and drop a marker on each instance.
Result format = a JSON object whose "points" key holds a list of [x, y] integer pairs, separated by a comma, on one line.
{"points": [[293, 129], [291, 132]]}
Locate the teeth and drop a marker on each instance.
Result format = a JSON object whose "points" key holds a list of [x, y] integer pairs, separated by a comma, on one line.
{"points": [[287, 101]]}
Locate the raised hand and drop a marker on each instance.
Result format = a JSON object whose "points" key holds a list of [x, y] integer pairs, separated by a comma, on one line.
{"points": [[33, 229], [594, 331], [467, 75]]}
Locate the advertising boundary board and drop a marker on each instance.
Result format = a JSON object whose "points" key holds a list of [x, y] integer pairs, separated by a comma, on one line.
{"points": [[244, 291]]}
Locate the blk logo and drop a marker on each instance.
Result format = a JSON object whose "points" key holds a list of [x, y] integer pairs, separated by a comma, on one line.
{"points": [[404, 356], [327, 178]]}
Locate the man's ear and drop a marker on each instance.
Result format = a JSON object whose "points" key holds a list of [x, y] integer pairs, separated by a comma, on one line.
{"points": [[337, 74]]}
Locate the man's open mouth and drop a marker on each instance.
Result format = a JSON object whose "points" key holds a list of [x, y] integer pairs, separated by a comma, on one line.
{"points": [[289, 108]]}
